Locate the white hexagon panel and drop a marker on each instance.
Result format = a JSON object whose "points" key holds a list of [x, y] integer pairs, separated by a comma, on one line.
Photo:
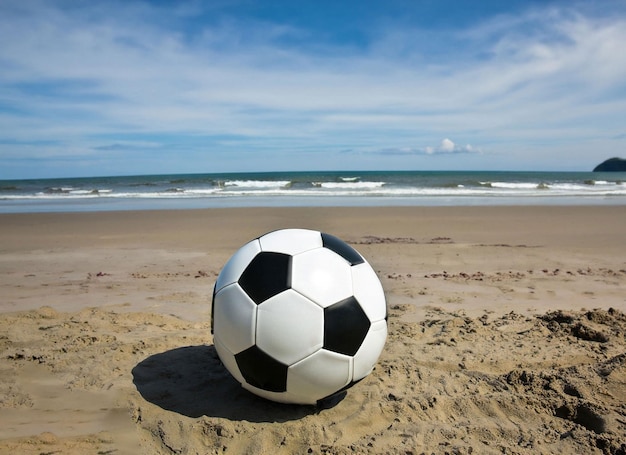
{"points": [[291, 241], [371, 348], [319, 375], [234, 318], [289, 326], [321, 275], [369, 292]]}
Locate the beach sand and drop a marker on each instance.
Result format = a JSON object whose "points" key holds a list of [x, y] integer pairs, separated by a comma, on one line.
{"points": [[506, 334]]}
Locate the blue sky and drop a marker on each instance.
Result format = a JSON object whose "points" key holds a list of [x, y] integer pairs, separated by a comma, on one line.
{"points": [[112, 88]]}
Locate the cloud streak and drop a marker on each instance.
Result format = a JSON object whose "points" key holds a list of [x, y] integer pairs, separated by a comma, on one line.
{"points": [[83, 75]]}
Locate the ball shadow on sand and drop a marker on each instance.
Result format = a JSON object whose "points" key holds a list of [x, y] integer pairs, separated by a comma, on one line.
{"points": [[192, 381]]}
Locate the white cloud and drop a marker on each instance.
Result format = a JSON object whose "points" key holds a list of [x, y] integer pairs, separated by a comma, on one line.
{"points": [[447, 146]]}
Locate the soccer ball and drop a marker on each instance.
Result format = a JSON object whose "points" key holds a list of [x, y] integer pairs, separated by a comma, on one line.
{"points": [[298, 316]]}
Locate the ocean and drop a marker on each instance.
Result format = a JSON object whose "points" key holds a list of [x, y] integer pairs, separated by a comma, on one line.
{"points": [[284, 189]]}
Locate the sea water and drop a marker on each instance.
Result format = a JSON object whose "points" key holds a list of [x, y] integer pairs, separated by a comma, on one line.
{"points": [[284, 189]]}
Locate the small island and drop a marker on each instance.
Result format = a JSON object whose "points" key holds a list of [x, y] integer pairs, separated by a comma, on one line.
{"points": [[611, 165]]}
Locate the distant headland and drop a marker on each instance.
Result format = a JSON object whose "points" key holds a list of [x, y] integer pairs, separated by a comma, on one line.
{"points": [[611, 165]]}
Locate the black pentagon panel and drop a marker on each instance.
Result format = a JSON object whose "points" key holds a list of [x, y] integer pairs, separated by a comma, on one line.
{"points": [[345, 326], [342, 249], [267, 274], [262, 371]]}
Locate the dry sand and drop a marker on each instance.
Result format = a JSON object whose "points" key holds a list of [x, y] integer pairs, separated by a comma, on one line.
{"points": [[507, 334]]}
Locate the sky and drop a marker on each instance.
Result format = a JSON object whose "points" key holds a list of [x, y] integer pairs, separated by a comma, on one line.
{"points": [[160, 87]]}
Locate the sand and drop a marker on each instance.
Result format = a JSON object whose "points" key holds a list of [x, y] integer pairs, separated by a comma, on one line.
{"points": [[506, 334]]}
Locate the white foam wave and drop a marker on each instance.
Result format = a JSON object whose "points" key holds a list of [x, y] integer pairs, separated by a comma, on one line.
{"points": [[94, 191], [512, 185], [257, 183], [351, 185]]}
